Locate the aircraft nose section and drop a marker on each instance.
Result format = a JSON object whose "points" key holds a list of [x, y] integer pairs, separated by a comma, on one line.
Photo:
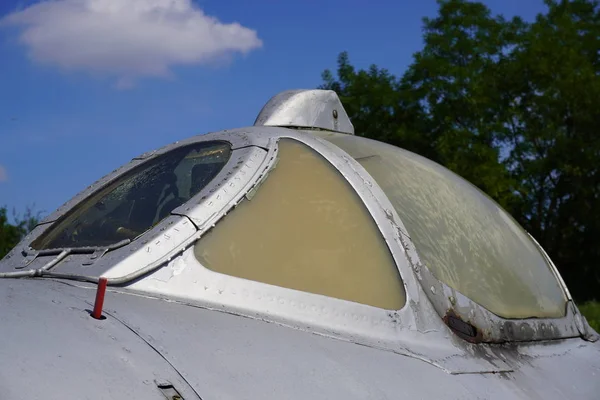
{"points": [[52, 348]]}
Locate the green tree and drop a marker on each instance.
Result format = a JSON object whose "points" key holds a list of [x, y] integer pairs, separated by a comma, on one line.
{"points": [[446, 106], [11, 234], [512, 107], [379, 109], [457, 78], [553, 81]]}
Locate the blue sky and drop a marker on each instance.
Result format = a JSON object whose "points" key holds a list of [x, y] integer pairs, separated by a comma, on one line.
{"points": [[84, 88]]}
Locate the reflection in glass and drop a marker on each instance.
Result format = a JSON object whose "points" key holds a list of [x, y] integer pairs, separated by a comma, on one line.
{"points": [[138, 200], [465, 239], [306, 229]]}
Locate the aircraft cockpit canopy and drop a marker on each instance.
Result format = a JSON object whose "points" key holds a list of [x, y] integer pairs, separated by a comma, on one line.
{"points": [[302, 222]]}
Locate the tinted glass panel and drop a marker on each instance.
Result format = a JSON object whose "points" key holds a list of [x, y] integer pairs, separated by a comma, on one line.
{"points": [[306, 229], [464, 238], [138, 200]]}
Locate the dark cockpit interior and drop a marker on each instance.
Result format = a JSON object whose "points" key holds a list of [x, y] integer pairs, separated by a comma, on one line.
{"points": [[139, 199]]}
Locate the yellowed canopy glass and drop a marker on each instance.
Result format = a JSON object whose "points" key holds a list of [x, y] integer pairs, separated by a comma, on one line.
{"points": [[465, 239], [306, 229]]}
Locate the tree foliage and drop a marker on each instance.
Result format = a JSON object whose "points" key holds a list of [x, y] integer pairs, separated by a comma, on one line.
{"points": [[11, 234], [512, 107]]}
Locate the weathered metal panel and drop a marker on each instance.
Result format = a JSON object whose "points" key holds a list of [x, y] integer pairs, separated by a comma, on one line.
{"points": [[247, 357], [146, 341], [52, 349]]}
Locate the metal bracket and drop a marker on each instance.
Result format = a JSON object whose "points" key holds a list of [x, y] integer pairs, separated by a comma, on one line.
{"points": [[169, 391], [96, 255], [29, 257]]}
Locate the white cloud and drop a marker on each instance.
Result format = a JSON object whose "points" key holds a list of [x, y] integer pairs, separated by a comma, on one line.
{"points": [[3, 174], [127, 39]]}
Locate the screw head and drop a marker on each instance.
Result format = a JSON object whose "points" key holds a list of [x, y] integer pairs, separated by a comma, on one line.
{"points": [[335, 114]]}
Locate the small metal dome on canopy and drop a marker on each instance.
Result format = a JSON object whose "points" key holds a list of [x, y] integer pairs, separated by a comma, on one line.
{"points": [[310, 109]]}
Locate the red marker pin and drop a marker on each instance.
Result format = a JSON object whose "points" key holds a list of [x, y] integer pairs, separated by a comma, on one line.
{"points": [[97, 313]]}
